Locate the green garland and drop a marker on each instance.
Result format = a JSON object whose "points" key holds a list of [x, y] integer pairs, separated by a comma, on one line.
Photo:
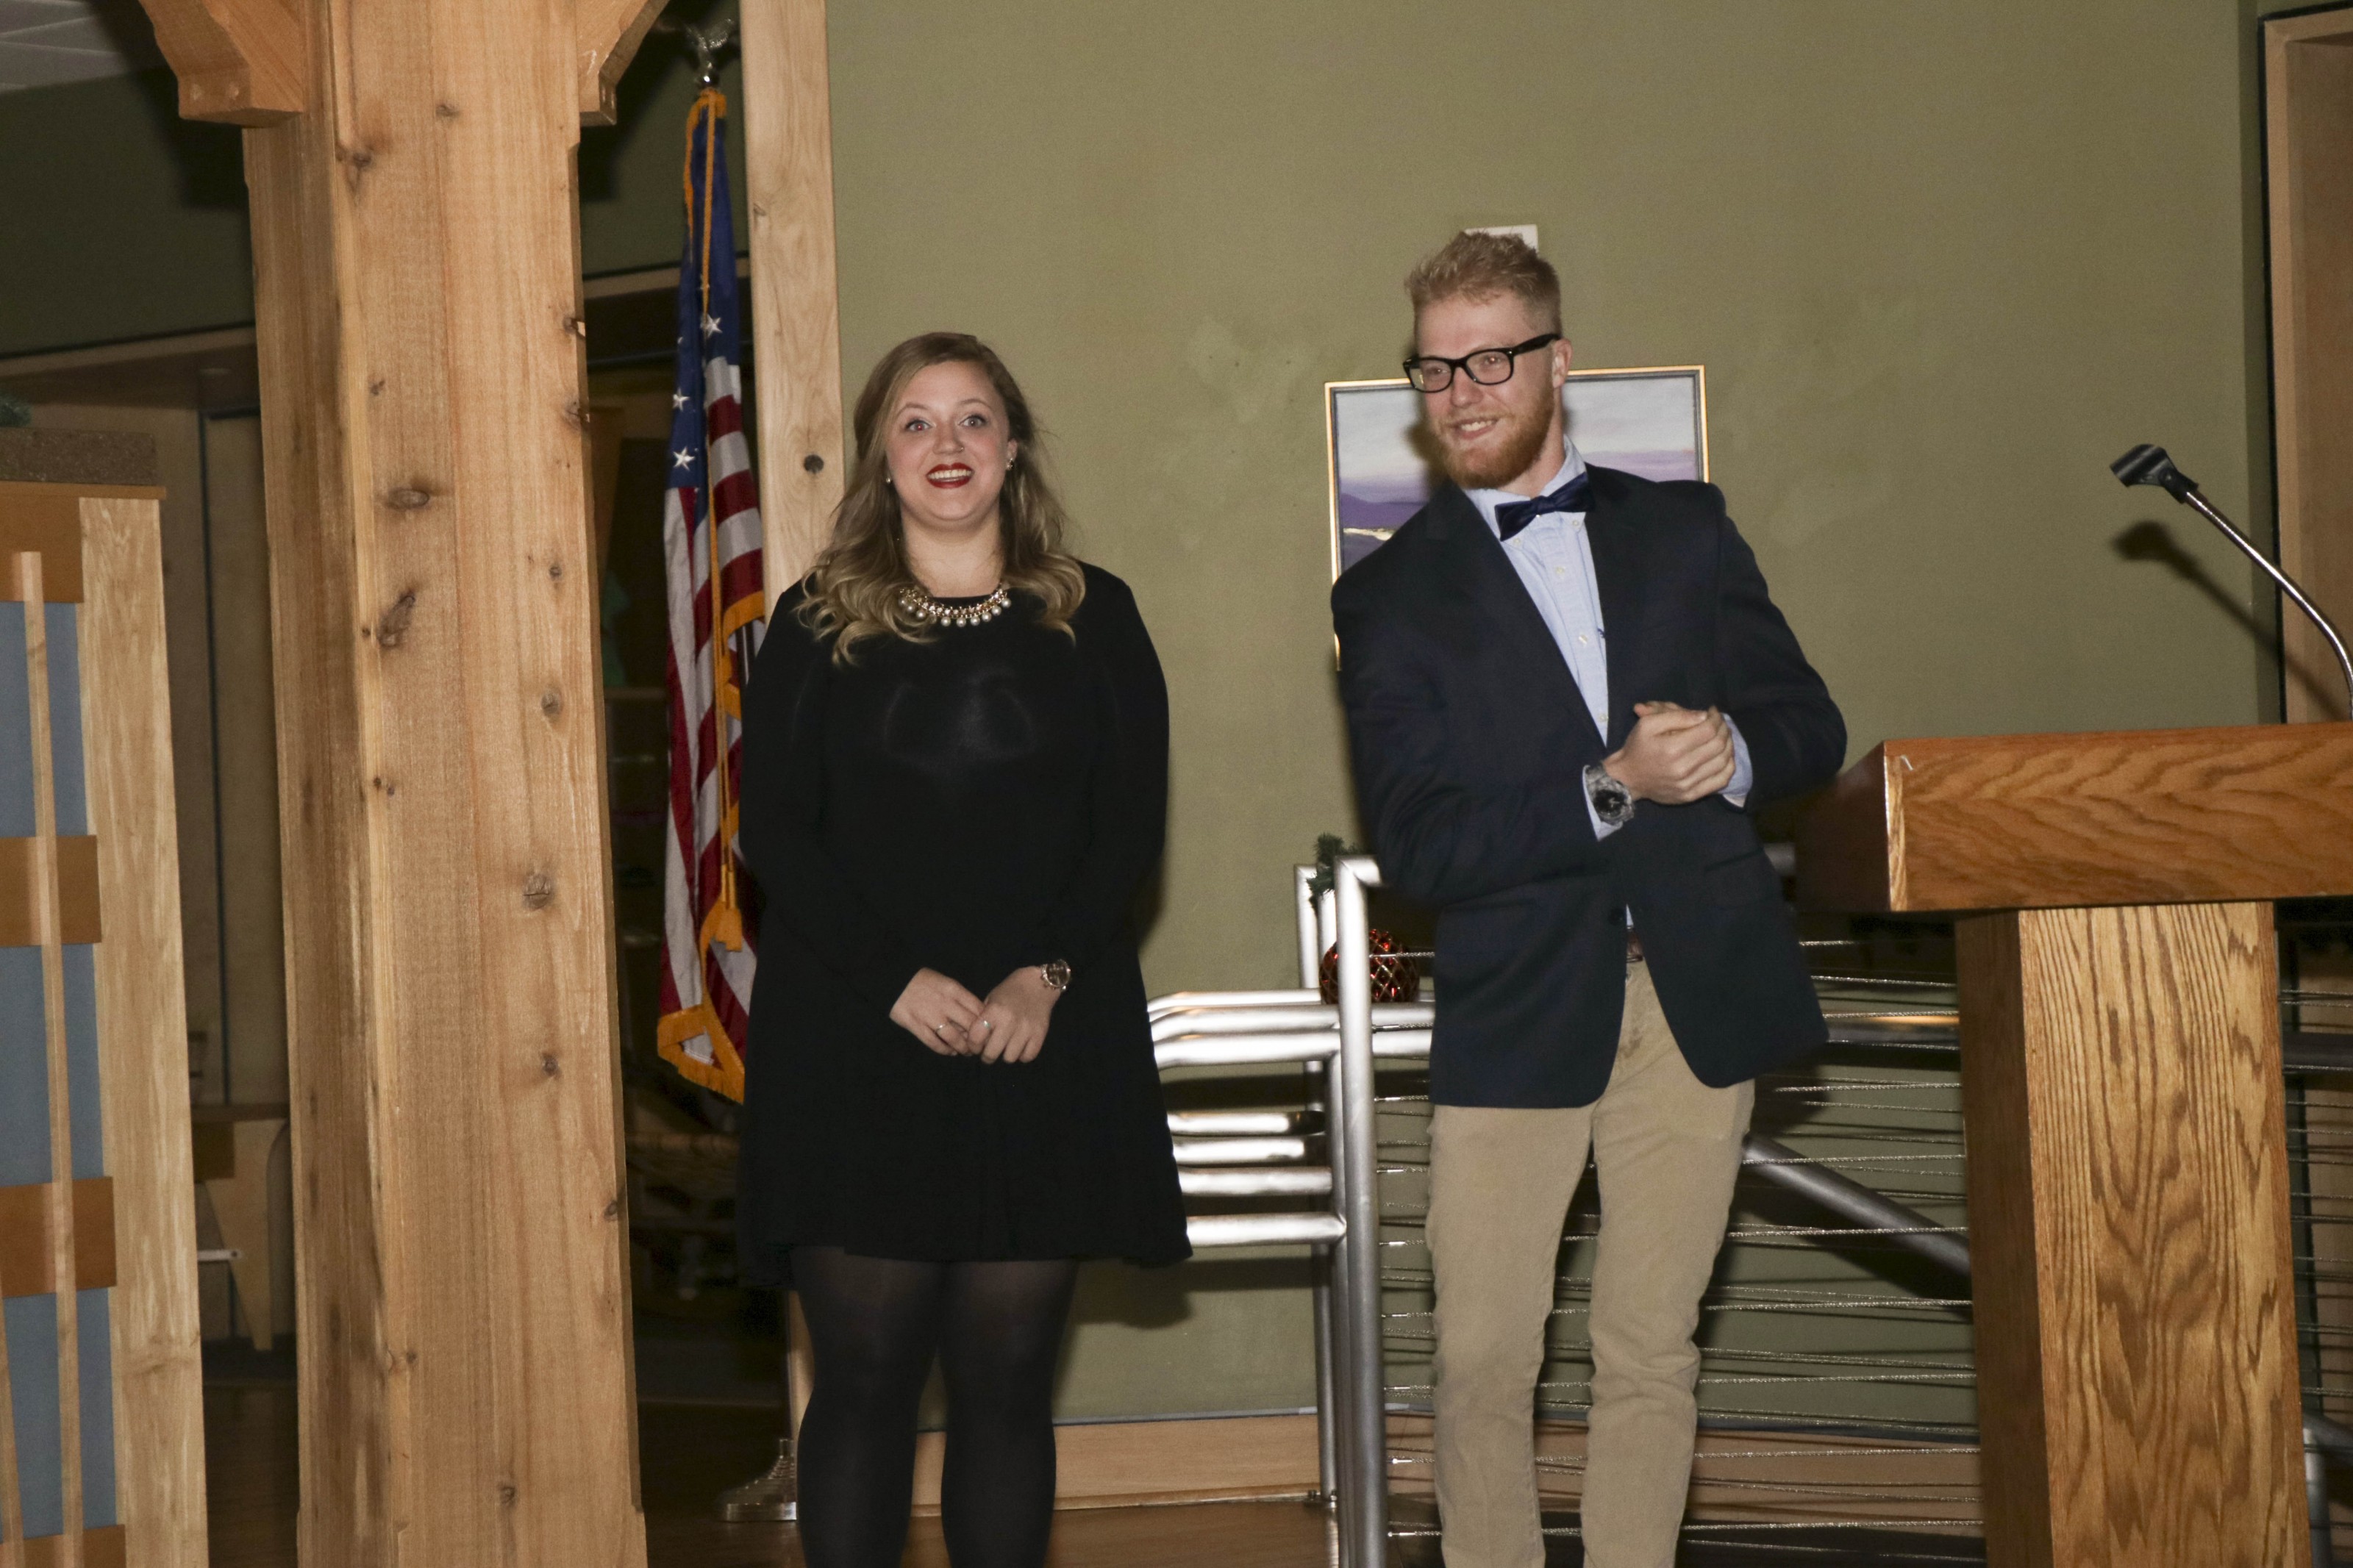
{"points": [[1329, 847]]}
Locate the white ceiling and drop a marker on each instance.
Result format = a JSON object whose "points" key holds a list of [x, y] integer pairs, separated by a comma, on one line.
{"points": [[46, 42]]}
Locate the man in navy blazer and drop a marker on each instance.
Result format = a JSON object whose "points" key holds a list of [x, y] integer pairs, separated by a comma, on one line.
{"points": [[1567, 690]]}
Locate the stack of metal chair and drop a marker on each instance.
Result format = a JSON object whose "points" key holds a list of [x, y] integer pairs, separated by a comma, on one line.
{"points": [[1294, 1154]]}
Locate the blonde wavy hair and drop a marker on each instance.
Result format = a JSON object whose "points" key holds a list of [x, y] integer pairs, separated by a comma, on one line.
{"points": [[853, 590]]}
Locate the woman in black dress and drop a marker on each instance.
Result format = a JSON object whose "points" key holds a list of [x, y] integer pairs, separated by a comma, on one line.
{"points": [[956, 749]]}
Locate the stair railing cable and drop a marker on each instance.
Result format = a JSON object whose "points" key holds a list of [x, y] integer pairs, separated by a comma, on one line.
{"points": [[1884, 1102]]}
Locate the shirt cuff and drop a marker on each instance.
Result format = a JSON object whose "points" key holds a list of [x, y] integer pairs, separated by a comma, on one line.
{"points": [[1744, 772]]}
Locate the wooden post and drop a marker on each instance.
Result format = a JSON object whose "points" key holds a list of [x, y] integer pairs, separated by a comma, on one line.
{"points": [[462, 1311], [2130, 1241], [143, 1034], [795, 310], [796, 342], [2128, 1234]]}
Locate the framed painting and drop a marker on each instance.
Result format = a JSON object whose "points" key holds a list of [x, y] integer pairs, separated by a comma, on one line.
{"points": [[1383, 464]]}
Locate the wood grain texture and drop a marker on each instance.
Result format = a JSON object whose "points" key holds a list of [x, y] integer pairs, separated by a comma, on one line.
{"points": [[609, 34], [2118, 817], [239, 62], [2127, 1189], [45, 520], [181, 451], [27, 1244], [77, 896], [795, 310], [2308, 145], [461, 1293], [142, 1036]]}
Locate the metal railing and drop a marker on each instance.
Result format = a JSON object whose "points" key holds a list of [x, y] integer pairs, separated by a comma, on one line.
{"points": [[1884, 1106]]}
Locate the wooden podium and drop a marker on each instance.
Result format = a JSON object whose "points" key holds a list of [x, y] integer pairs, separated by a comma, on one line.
{"points": [[2127, 1160]]}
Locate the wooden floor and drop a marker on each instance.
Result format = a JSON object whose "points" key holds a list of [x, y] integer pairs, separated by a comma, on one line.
{"points": [[690, 1452]]}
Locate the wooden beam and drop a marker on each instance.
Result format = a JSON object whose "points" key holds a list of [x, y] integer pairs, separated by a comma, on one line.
{"points": [[463, 1298], [610, 32], [2129, 1238], [796, 311], [2145, 817], [239, 62]]}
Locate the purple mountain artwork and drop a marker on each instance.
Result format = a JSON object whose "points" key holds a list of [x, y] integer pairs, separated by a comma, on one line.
{"points": [[1652, 423]]}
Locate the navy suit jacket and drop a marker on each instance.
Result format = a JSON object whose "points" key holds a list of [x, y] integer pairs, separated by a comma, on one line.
{"points": [[1470, 741]]}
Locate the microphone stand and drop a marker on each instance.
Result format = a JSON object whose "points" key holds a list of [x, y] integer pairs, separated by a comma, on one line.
{"points": [[2147, 465]]}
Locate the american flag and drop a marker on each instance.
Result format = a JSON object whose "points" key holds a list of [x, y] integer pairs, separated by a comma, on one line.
{"points": [[710, 537]]}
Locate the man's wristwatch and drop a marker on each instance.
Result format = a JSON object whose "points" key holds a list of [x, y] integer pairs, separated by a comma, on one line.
{"points": [[1055, 975], [1613, 802]]}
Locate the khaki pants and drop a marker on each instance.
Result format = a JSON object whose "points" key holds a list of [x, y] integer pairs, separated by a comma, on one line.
{"points": [[1667, 1148]]}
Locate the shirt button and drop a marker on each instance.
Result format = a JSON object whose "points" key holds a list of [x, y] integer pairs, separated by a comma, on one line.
{"points": [[1581, 641]]}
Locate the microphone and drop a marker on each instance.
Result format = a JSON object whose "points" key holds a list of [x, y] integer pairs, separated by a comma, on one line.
{"points": [[2147, 465]]}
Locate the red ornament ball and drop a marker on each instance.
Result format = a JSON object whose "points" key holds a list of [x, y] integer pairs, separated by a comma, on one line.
{"points": [[1396, 974]]}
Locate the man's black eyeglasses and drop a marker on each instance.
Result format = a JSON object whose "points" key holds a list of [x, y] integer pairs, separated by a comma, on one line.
{"points": [[1488, 367]]}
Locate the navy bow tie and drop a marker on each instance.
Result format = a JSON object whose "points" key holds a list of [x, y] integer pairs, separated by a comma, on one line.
{"points": [[1514, 515]]}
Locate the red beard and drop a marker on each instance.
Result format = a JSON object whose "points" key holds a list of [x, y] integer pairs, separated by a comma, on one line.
{"points": [[1522, 438]]}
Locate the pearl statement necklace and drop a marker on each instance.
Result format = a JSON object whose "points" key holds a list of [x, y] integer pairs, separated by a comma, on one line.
{"points": [[928, 611]]}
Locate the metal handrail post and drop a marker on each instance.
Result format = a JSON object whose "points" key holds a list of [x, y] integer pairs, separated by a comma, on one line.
{"points": [[1320, 1261], [1365, 1541], [1311, 942]]}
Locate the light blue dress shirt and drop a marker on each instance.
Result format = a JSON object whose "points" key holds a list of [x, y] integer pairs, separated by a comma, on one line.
{"points": [[1554, 557]]}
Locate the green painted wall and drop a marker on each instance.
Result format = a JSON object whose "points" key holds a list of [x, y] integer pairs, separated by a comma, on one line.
{"points": [[1943, 260]]}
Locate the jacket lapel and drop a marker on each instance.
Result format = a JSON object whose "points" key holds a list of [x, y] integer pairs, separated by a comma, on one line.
{"points": [[1616, 544], [1476, 560]]}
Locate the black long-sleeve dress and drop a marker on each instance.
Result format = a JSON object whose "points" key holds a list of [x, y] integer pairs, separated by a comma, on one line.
{"points": [[992, 799]]}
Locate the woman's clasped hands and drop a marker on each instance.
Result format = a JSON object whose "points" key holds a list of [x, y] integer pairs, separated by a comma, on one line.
{"points": [[1009, 1026]]}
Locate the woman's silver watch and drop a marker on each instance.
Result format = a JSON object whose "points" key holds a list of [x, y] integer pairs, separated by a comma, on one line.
{"points": [[1613, 802], [1055, 975]]}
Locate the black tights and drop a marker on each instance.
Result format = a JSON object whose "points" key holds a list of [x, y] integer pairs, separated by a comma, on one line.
{"points": [[874, 1324]]}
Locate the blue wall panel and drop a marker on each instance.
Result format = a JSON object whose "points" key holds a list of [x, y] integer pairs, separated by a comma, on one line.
{"points": [[31, 1320], [32, 1324], [65, 724], [23, 1070], [24, 1067]]}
